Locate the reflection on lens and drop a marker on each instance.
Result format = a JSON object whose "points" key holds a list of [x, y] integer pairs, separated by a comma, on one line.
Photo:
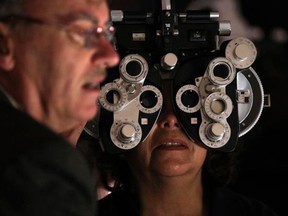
{"points": [[221, 70], [113, 97], [133, 68], [148, 99], [218, 106], [189, 98]]}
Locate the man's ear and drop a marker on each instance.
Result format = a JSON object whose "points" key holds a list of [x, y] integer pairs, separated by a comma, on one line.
{"points": [[6, 56]]}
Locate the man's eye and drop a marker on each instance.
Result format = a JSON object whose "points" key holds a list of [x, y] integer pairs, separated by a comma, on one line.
{"points": [[78, 34]]}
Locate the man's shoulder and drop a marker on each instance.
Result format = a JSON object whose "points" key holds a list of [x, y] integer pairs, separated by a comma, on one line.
{"points": [[20, 134], [24, 141], [38, 166]]}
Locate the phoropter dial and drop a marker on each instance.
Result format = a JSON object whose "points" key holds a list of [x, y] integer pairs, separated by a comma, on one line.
{"points": [[221, 71], [133, 68], [169, 61], [218, 106], [215, 131], [214, 134], [150, 99], [187, 98], [125, 134], [241, 52], [113, 97]]}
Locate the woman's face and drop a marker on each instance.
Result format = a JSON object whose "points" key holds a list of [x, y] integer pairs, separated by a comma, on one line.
{"points": [[167, 151]]}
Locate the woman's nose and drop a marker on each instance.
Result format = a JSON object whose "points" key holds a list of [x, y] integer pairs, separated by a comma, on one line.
{"points": [[168, 118]]}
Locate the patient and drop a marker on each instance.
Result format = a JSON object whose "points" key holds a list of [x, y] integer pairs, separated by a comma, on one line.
{"points": [[170, 174]]}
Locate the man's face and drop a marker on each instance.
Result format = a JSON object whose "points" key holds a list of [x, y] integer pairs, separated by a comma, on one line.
{"points": [[60, 61]]}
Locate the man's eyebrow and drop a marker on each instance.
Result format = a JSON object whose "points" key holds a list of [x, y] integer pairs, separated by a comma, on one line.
{"points": [[79, 16]]}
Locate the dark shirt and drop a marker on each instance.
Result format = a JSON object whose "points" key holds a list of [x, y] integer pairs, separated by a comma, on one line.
{"points": [[40, 173], [223, 202]]}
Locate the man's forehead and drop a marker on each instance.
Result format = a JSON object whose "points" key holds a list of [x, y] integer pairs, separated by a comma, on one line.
{"points": [[61, 6], [96, 1]]}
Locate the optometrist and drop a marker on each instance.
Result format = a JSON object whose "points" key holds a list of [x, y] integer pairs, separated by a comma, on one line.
{"points": [[53, 56]]}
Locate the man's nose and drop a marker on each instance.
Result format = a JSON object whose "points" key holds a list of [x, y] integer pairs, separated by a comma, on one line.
{"points": [[105, 54]]}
